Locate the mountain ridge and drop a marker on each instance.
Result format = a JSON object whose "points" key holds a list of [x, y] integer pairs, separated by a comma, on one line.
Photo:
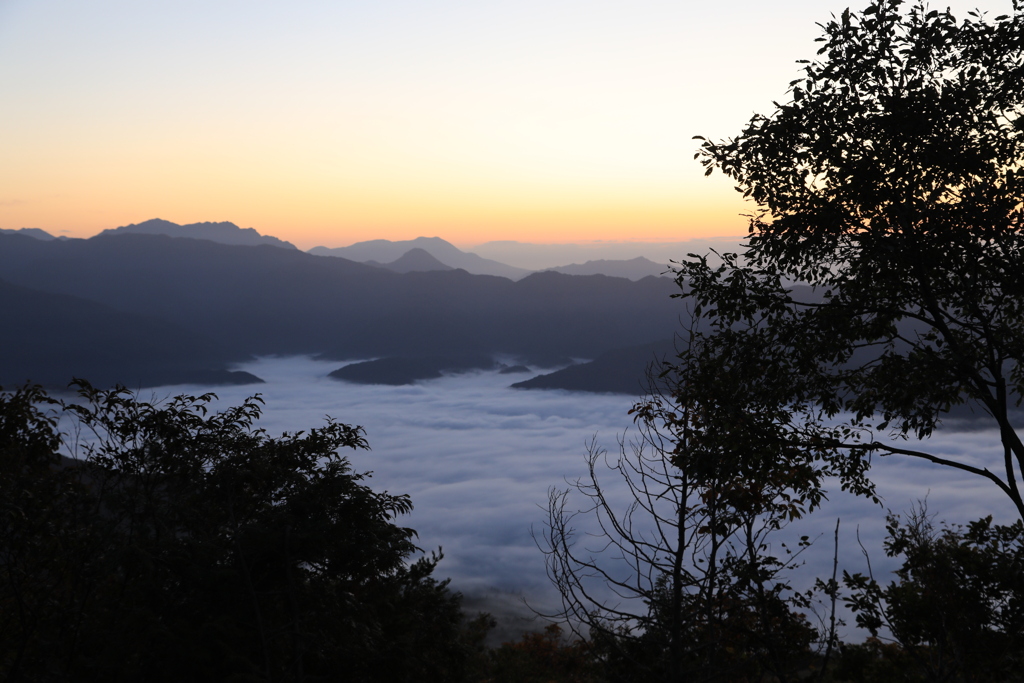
{"points": [[632, 269], [37, 233], [264, 300], [223, 232], [386, 251]]}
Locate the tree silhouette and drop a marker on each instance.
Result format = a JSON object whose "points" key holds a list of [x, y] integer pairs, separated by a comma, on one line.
{"points": [[957, 612], [674, 583], [882, 287], [185, 544], [881, 291]]}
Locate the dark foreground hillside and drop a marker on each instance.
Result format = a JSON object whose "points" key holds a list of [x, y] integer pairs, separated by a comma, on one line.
{"points": [[50, 339]]}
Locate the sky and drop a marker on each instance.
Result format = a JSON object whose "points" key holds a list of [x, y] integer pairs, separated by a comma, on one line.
{"points": [[478, 460], [331, 122]]}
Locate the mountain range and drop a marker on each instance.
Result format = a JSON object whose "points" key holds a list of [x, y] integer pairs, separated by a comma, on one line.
{"points": [[223, 232], [154, 309], [384, 251], [420, 254], [548, 256], [409, 255]]}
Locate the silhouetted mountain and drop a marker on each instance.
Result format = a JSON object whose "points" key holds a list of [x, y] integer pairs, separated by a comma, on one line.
{"points": [[223, 233], [265, 300], [50, 339], [397, 371], [633, 269], [620, 371], [32, 232], [548, 256], [416, 261], [385, 251]]}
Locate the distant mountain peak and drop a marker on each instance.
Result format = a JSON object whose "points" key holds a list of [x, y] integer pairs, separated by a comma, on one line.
{"points": [[416, 260], [634, 268], [37, 233], [223, 232]]}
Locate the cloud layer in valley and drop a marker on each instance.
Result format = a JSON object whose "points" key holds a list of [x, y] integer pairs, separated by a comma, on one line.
{"points": [[478, 458]]}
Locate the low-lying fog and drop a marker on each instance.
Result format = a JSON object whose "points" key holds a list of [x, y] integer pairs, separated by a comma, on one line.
{"points": [[478, 458]]}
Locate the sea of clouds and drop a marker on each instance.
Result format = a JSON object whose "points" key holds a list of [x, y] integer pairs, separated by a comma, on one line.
{"points": [[478, 459]]}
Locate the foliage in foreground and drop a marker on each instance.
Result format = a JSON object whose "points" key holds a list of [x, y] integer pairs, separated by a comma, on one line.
{"points": [[676, 583], [185, 545], [880, 290], [957, 611]]}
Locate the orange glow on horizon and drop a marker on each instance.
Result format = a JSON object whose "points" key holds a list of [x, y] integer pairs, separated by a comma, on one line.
{"points": [[312, 211], [333, 123], [466, 230]]}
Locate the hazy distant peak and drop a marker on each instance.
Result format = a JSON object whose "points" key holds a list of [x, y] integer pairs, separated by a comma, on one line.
{"points": [[31, 232], [433, 240], [633, 269], [387, 252], [544, 256], [416, 260], [223, 232]]}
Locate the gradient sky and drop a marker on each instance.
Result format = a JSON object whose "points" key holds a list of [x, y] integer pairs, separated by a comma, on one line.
{"points": [[331, 122]]}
